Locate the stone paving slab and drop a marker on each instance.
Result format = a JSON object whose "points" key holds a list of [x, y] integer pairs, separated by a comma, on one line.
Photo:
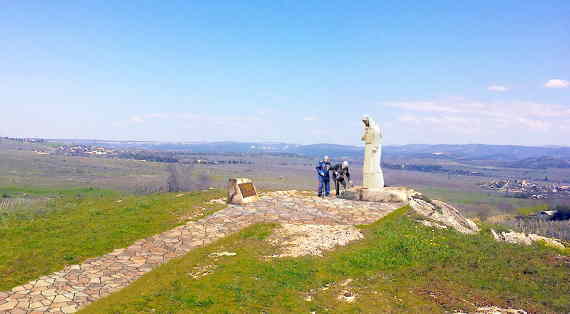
{"points": [[75, 286]]}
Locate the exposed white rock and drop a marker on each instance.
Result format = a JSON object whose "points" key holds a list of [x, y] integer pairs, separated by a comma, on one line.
{"points": [[495, 310], [298, 240], [432, 224], [525, 239], [347, 296], [346, 282], [222, 201], [219, 254], [393, 194], [201, 271], [443, 213]]}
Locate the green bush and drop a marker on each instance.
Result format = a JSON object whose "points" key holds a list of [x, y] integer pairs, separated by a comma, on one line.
{"points": [[562, 212]]}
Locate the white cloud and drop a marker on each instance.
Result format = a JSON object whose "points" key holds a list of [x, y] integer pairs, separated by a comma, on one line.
{"points": [[485, 122], [505, 110], [557, 83], [447, 123], [497, 88], [408, 118], [137, 119], [309, 119], [535, 124]]}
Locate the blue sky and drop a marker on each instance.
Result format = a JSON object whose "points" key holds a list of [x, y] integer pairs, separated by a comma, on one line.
{"points": [[491, 72]]}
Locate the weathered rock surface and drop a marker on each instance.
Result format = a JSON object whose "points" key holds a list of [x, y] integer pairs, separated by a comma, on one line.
{"points": [[525, 239], [439, 214], [347, 296], [398, 194], [443, 213], [432, 224], [495, 310], [298, 240]]}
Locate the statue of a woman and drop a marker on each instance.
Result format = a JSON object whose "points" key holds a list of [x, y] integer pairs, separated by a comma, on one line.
{"points": [[372, 173]]}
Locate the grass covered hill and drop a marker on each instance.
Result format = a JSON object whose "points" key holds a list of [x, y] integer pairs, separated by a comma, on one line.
{"points": [[55, 228], [400, 266]]}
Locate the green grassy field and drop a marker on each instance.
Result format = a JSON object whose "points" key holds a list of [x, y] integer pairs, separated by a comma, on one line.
{"points": [[400, 266], [20, 166], [73, 225]]}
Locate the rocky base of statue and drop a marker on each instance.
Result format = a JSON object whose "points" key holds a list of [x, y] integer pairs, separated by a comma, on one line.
{"points": [[433, 212], [398, 194]]}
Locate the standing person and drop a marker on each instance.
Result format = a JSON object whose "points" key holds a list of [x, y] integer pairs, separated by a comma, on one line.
{"points": [[323, 168], [341, 175]]}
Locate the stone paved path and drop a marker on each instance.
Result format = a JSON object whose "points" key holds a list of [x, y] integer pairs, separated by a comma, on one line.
{"points": [[78, 285]]}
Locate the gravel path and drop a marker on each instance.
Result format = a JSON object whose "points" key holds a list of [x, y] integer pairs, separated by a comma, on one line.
{"points": [[68, 290]]}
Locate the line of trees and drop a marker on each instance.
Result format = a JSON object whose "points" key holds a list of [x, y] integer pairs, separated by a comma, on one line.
{"points": [[556, 227], [181, 178], [559, 229]]}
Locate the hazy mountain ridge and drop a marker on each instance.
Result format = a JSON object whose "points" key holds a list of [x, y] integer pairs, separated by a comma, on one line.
{"points": [[510, 156], [449, 151]]}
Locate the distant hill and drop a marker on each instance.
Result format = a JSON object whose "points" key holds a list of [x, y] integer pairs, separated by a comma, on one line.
{"points": [[478, 151], [470, 152], [465, 152], [542, 162], [332, 150]]}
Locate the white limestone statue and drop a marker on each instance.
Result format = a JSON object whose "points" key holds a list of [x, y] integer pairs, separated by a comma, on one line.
{"points": [[372, 177]]}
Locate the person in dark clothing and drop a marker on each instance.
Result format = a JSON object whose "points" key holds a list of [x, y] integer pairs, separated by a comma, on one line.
{"points": [[323, 168], [341, 175]]}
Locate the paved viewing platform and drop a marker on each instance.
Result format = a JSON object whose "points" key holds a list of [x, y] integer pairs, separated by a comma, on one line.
{"points": [[68, 290]]}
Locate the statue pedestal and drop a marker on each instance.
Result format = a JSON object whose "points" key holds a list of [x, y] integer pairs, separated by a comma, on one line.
{"points": [[399, 194]]}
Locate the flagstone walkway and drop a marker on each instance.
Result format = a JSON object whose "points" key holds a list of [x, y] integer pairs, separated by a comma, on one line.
{"points": [[68, 290]]}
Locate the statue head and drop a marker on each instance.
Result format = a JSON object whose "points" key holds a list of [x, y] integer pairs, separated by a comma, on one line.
{"points": [[366, 121], [372, 134]]}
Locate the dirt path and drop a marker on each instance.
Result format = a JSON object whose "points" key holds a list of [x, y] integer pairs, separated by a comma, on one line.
{"points": [[78, 285]]}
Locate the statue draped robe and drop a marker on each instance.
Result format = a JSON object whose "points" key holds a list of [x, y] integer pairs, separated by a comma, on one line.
{"points": [[372, 173]]}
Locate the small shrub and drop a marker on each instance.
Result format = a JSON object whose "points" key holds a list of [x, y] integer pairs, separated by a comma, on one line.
{"points": [[5, 195], [562, 213]]}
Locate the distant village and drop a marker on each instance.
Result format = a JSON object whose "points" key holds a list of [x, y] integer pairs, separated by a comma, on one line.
{"points": [[527, 189], [85, 151], [143, 155]]}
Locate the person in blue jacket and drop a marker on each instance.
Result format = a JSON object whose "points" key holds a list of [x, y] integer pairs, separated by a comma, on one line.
{"points": [[323, 168]]}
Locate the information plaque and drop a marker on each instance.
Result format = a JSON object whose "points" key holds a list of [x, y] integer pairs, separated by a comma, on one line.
{"points": [[247, 189]]}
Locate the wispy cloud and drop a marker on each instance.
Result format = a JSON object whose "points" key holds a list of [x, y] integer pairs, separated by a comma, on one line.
{"points": [[497, 88], [470, 117], [557, 83], [490, 109], [309, 118]]}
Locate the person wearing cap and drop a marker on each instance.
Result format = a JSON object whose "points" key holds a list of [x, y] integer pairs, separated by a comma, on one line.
{"points": [[323, 168], [341, 175]]}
